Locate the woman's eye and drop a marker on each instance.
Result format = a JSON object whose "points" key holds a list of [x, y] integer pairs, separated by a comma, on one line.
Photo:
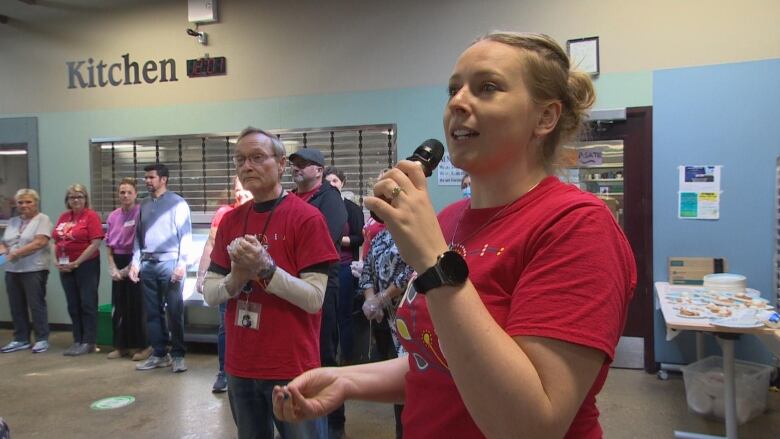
{"points": [[489, 86], [452, 90]]}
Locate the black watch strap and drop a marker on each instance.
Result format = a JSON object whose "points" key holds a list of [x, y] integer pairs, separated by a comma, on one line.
{"points": [[450, 269], [427, 280]]}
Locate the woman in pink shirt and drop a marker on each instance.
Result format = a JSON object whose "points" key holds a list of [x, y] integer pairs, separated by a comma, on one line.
{"points": [[126, 296]]}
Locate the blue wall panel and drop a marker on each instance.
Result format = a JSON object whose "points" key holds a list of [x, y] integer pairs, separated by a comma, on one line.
{"points": [[717, 115]]}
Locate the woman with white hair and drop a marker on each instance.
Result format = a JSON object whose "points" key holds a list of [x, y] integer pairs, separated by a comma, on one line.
{"points": [[25, 246]]}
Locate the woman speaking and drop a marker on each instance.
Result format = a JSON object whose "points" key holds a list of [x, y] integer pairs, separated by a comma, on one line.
{"points": [[522, 290]]}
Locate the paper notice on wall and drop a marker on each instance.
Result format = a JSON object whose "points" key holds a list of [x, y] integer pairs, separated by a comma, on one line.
{"points": [[447, 174], [700, 178], [699, 194], [699, 205]]}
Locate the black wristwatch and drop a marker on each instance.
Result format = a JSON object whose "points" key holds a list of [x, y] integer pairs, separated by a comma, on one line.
{"points": [[268, 273], [450, 269]]}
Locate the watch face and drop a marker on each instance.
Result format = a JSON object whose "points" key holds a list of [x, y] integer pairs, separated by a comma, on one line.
{"points": [[454, 267]]}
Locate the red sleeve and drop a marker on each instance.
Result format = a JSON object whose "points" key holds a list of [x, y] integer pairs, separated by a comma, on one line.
{"points": [[94, 227], [57, 236], [219, 254], [219, 214], [578, 282]]}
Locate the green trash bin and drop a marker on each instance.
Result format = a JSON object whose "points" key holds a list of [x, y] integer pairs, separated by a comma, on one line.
{"points": [[105, 330]]}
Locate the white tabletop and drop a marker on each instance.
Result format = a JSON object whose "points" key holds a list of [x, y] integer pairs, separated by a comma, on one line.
{"points": [[674, 321]]}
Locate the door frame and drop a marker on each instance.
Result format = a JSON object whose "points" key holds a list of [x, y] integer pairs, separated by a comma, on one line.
{"points": [[636, 132]]}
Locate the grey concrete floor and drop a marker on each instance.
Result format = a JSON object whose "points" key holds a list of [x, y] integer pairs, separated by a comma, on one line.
{"points": [[48, 396]]}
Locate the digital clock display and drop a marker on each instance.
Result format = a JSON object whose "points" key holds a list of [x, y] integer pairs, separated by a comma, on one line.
{"points": [[206, 67]]}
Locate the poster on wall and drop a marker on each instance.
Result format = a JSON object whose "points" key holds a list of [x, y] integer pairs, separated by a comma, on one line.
{"points": [[699, 192], [447, 174]]}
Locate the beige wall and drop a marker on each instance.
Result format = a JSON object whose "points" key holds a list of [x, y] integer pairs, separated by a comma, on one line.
{"points": [[318, 47]]}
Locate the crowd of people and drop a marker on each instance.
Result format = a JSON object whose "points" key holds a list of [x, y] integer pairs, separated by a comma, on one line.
{"points": [[502, 310]]}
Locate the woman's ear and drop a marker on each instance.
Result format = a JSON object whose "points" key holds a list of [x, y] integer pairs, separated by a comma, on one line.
{"points": [[548, 118]]}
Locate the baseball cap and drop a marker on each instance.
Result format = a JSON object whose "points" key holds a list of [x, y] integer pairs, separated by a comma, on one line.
{"points": [[310, 155]]}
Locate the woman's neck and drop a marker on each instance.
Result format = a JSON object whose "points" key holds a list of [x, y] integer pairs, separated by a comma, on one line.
{"points": [[499, 189], [128, 207], [29, 216], [77, 211]]}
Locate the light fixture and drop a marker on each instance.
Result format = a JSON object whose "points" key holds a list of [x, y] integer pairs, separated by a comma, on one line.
{"points": [[203, 38], [13, 152]]}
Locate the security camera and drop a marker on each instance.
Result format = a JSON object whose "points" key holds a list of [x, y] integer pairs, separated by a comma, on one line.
{"points": [[202, 36]]}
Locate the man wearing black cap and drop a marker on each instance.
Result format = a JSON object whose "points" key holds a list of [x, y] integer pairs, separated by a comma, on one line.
{"points": [[307, 169]]}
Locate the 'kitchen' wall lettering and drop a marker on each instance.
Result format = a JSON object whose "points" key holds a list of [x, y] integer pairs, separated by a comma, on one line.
{"points": [[87, 74]]}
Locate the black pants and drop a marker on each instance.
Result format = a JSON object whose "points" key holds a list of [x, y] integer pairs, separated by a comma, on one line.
{"points": [[128, 317], [329, 337], [81, 293], [28, 290]]}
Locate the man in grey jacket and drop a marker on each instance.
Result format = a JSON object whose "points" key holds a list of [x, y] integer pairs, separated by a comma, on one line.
{"points": [[162, 240]]}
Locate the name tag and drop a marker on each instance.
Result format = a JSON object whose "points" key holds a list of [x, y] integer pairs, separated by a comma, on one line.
{"points": [[129, 223], [248, 315]]}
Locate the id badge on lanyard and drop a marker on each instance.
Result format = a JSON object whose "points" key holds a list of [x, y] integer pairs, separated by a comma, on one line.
{"points": [[248, 314]]}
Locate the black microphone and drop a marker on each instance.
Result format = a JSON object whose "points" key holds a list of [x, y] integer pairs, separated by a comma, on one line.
{"points": [[428, 155]]}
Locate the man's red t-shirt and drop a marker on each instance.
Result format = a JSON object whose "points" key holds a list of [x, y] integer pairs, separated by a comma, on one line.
{"points": [[286, 343]]}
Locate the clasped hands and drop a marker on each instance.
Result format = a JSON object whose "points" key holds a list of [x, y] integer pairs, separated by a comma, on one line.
{"points": [[67, 268], [248, 256], [117, 274], [373, 307]]}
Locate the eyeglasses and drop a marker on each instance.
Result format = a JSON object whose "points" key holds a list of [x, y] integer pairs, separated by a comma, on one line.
{"points": [[302, 165], [257, 159], [76, 197]]}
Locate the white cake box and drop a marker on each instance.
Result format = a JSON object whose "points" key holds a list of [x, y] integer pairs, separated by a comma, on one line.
{"points": [[725, 282]]}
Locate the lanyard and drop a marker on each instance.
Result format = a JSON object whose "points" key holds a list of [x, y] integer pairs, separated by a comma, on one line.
{"points": [[248, 287], [267, 220]]}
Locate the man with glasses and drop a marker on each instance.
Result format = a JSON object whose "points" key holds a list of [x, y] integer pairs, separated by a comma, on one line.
{"points": [[269, 264], [162, 241], [307, 173]]}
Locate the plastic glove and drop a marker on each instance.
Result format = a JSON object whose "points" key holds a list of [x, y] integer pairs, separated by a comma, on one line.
{"points": [[357, 268], [372, 309], [248, 253]]}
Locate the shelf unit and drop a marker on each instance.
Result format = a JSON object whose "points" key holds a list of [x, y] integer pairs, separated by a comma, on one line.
{"points": [[604, 179]]}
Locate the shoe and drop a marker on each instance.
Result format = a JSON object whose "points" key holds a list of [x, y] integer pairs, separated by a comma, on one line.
{"points": [[143, 354], [117, 353], [40, 346], [15, 346], [83, 348], [154, 362], [73, 348], [220, 384], [179, 365]]}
